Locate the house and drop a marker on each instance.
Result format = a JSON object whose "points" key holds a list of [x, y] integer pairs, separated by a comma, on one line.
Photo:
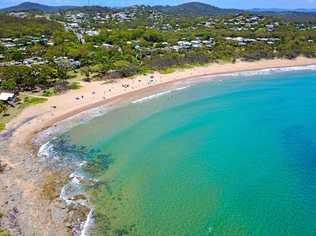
{"points": [[73, 25], [107, 45], [184, 44], [18, 14], [35, 61], [92, 32], [8, 98], [270, 27], [67, 61]]}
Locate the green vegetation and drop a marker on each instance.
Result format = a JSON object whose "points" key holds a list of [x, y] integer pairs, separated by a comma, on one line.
{"points": [[3, 232], [24, 101], [17, 27], [33, 100], [43, 52], [49, 92], [2, 126], [74, 85]]}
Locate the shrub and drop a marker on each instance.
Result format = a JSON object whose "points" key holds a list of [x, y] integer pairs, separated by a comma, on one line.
{"points": [[34, 100], [49, 92], [3, 232], [74, 85]]}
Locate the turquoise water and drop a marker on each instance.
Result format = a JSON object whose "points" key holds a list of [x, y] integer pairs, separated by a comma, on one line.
{"points": [[234, 156]]}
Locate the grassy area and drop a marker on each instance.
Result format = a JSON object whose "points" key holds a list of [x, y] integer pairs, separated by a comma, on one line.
{"points": [[25, 101], [32, 100], [74, 85], [3, 232], [2, 126], [167, 70], [171, 69], [75, 76], [49, 92]]}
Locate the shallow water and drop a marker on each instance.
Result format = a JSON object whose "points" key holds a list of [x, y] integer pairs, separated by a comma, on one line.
{"points": [[232, 156]]}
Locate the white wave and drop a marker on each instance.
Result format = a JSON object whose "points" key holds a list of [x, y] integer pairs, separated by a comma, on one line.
{"points": [[72, 189], [67, 124], [182, 88], [150, 97], [87, 224], [273, 70], [45, 150]]}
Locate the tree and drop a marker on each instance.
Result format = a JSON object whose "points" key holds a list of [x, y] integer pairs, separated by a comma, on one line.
{"points": [[63, 76], [44, 75], [86, 71], [9, 84], [125, 68], [3, 107], [13, 55]]}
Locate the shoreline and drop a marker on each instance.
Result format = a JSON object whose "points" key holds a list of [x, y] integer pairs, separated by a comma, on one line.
{"points": [[39, 117], [23, 128]]}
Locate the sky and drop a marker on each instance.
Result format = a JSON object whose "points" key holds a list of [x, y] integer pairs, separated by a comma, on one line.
{"points": [[240, 4]]}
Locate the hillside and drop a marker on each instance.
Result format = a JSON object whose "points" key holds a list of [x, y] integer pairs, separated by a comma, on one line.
{"points": [[30, 6], [190, 9], [186, 9], [195, 9]]}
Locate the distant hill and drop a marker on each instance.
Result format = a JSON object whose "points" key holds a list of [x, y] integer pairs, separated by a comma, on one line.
{"points": [[90, 9], [31, 6], [282, 10], [186, 9], [195, 9], [189, 9]]}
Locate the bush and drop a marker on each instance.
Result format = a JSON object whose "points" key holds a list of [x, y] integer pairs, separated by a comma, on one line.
{"points": [[3, 232], [161, 62], [49, 92], [256, 55], [125, 68], [74, 85]]}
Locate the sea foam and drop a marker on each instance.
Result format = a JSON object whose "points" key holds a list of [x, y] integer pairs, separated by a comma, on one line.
{"points": [[273, 70], [156, 95], [87, 224]]}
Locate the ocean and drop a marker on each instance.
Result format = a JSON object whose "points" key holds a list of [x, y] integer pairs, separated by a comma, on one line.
{"points": [[230, 155]]}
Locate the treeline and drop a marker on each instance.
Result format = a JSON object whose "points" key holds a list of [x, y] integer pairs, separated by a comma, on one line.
{"points": [[27, 78]]}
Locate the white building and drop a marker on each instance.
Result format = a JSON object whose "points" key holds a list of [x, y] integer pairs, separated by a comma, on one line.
{"points": [[6, 97]]}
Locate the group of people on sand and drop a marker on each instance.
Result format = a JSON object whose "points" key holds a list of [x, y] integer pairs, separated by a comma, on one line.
{"points": [[151, 81]]}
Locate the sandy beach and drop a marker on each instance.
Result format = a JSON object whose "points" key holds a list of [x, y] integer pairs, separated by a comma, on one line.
{"points": [[36, 118], [20, 198]]}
